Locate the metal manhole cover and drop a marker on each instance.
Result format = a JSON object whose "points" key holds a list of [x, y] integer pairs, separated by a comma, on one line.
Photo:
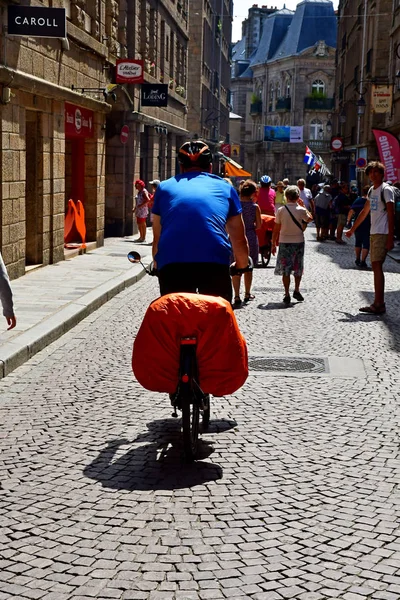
{"points": [[285, 364]]}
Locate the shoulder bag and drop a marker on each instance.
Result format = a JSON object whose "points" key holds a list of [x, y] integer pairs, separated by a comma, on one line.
{"points": [[303, 226]]}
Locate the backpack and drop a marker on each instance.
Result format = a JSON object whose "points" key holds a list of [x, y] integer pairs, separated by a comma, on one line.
{"points": [[395, 190]]}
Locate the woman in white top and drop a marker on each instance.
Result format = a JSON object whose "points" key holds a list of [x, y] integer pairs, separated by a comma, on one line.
{"points": [[290, 222]]}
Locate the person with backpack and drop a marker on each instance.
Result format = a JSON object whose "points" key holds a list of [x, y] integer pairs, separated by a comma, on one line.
{"points": [[380, 205]]}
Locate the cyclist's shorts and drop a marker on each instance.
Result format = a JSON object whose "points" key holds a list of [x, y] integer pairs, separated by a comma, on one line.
{"points": [[221, 348]]}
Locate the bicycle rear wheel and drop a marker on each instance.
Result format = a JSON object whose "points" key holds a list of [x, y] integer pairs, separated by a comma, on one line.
{"points": [[266, 255], [190, 426], [206, 413]]}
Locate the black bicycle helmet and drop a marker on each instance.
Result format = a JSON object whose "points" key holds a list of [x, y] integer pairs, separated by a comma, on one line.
{"points": [[195, 154]]}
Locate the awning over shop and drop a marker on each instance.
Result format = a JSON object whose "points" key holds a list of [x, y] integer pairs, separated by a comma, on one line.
{"points": [[232, 171]]}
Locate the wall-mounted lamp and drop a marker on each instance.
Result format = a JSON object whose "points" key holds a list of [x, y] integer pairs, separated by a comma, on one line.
{"points": [[342, 116], [361, 104], [161, 130], [329, 126]]}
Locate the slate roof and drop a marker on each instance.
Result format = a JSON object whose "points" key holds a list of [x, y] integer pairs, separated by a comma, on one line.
{"points": [[239, 50], [274, 29], [247, 74], [314, 20]]}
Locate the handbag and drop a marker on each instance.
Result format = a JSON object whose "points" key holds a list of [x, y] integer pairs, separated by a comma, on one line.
{"points": [[303, 227]]}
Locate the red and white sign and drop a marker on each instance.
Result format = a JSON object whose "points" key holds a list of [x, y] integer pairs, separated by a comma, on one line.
{"points": [[336, 144], [361, 162], [79, 122], [129, 70], [226, 149], [124, 135]]}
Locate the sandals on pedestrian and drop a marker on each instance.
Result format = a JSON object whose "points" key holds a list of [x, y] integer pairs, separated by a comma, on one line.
{"points": [[373, 309], [248, 297], [237, 301]]}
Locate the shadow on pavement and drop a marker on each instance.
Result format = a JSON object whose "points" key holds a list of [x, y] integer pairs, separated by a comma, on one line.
{"points": [[157, 463], [344, 257], [276, 306]]}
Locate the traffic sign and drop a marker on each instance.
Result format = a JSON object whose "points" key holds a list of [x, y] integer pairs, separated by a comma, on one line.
{"points": [[361, 163], [337, 144], [124, 135]]}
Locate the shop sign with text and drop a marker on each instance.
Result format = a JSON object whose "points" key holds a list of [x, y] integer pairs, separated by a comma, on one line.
{"points": [[78, 121], [37, 21], [382, 98], [129, 70], [154, 94]]}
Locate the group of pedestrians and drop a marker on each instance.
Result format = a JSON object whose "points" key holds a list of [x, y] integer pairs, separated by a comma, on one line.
{"points": [[195, 212]]}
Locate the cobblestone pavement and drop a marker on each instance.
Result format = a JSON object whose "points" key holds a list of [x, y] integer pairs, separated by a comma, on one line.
{"points": [[296, 495]]}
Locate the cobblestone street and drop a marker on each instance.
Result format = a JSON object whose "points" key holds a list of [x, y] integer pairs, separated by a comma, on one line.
{"points": [[296, 495]]}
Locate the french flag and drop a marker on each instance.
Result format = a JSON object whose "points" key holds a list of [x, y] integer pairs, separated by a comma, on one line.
{"points": [[309, 157]]}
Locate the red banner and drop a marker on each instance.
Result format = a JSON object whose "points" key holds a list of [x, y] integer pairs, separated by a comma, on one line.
{"points": [[78, 121], [389, 153]]}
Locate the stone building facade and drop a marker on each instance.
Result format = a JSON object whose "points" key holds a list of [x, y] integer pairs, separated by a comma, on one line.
{"points": [[61, 128], [292, 75], [368, 54], [209, 50]]}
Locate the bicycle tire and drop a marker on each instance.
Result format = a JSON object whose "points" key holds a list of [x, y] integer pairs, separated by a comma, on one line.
{"points": [[206, 414], [190, 427], [266, 256]]}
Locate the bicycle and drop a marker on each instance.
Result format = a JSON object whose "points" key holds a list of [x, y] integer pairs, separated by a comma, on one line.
{"points": [[188, 397]]}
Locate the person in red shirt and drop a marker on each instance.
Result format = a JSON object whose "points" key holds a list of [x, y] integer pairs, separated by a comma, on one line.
{"points": [[266, 196]]}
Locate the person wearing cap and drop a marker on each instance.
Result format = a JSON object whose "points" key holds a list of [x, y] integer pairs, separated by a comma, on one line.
{"points": [[6, 296], [280, 199], [286, 182], [193, 214], [266, 196]]}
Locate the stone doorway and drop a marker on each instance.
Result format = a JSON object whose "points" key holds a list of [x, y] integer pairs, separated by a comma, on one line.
{"points": [[34, 190]]}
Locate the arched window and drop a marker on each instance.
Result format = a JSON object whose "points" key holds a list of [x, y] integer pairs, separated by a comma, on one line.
{"points": [[318, 87], [278, 90], [316, 130], [271, 93], [288, 90]]}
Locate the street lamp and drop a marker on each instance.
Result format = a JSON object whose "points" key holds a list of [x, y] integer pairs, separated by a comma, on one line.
{"points": [[361, 104], [329, 126], [342, 116]]}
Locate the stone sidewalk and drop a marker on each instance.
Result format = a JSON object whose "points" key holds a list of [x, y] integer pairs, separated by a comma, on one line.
{"points": [[49, 301]]}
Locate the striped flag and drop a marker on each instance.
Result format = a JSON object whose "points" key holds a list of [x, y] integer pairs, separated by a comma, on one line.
{"points": [[309, 157], [321, 167]]}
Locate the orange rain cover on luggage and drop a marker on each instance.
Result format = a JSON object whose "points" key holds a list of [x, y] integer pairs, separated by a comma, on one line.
{"points": [[221, 348]]}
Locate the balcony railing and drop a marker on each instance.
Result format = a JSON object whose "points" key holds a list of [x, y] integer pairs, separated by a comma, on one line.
{"points": [[256, 108], [319, 103], [283, 104]]}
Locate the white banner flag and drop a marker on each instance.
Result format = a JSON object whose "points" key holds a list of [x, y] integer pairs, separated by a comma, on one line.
{"points": [[296, 135]]}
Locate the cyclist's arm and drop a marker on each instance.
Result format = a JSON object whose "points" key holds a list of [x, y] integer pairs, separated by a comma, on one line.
{"points": [[156, 234], [240, 246]]}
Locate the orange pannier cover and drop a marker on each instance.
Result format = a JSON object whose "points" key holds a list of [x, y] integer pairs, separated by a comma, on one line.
{"points": [[221, 348]]}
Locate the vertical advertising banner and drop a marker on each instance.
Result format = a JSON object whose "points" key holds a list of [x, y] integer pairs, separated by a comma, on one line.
{"points": [[389, 153]]}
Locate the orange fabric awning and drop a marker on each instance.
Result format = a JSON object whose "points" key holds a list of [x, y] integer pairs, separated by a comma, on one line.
{"points": [[232, 171]]}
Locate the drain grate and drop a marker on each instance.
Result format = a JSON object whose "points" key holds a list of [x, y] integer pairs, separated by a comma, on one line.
{"points": [[288, 364]]}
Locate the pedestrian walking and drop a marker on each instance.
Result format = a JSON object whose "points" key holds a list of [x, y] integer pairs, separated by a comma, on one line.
{"points": [[280, 199], [154, 185], [251, 214], [290, 223], [266, 196], [363, 231], [306, 195], [335, 190], [142, 208], [342, 206], [322, 202], [6, 296], [380, 205]]}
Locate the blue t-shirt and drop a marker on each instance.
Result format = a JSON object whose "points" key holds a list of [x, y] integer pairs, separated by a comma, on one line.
{"points": [[194, 208]]}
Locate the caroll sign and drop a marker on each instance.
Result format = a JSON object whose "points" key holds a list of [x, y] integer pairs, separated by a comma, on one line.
{"points": [[129, 70], [37, 21]]}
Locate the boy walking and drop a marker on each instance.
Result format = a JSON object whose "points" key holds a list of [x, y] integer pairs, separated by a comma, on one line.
{"points": [[380, 205]]}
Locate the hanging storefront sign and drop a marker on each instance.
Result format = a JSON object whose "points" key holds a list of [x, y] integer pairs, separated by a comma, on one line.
{"points": [[226, 149], [293, 135], [37, 21], [78, 121], [389, 153], [154, 94], [235, 150], [129, 70], [382, 96]]}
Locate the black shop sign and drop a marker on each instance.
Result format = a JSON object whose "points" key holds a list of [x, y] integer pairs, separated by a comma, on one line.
{"points": [[154, 94], [37, 21]]}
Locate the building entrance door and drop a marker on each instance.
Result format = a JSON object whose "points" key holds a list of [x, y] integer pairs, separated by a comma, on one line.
{"points": [[34, 190]]}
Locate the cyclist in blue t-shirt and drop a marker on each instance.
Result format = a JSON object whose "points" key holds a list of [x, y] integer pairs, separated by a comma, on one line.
{"points": [[193, 214]]}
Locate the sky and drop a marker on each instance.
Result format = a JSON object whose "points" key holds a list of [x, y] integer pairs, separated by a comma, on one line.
{"points": [[241, 9]]}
